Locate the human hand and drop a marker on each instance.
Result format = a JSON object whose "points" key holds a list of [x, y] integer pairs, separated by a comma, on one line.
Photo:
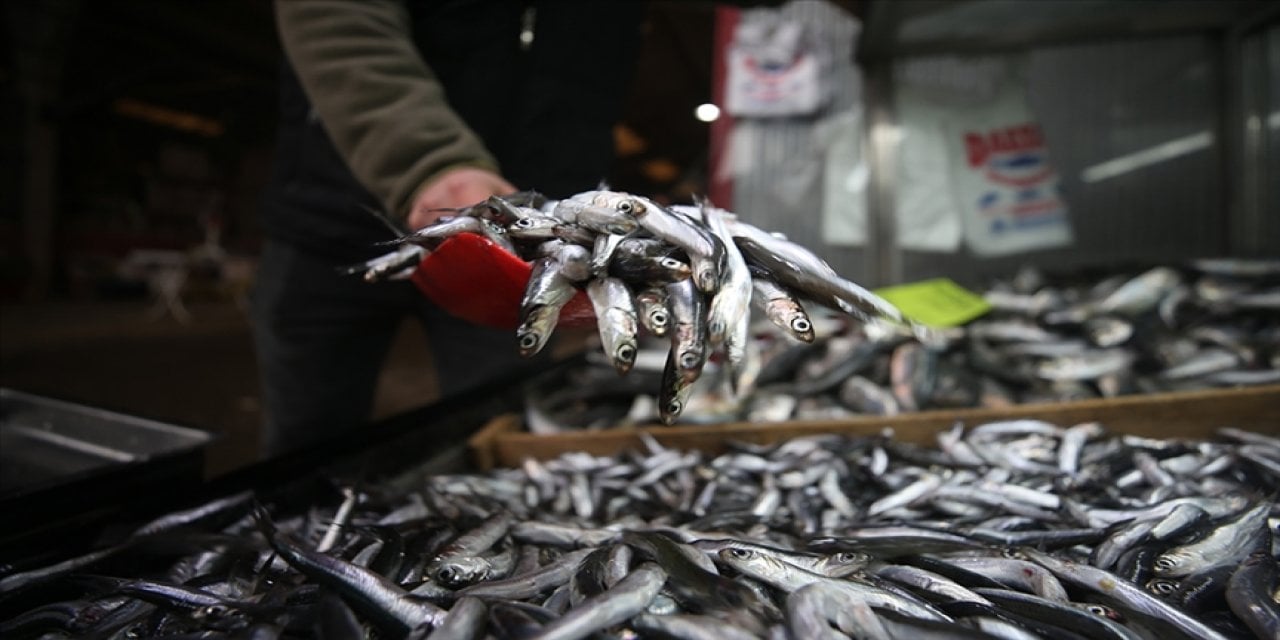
{"points": [[455, 188]]}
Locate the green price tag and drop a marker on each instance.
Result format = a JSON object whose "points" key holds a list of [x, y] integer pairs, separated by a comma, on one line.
{"points": [[937, 303]]}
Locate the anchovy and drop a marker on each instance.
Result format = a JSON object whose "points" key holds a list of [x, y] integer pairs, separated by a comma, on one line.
{"points": [[800, 268], [1058, 614], [689, 627], [925, 580], [1250, 594], [597, 214], [628, 598], [1016, 573], [547, 292], [1124, 593], [646, 260], [1140, 294], [728, 314], [812, 608], [617, 322], [781, 307], [833, 565], [368, 592], [789, 578], [706, 252], [446, 227], [574, 262], [652, 310], [688, 330], [1226, 543], [460, 563], [536, 227], [467, 618], [527, 585], [396, 265]]}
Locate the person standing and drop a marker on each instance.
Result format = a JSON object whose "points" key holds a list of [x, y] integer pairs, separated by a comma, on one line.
{"points": [[408, 107]]}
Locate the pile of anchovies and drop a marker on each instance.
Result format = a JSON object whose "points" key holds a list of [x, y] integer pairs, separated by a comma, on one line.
{"points": [[686, 273], [1016, 529], [1210, 323]]}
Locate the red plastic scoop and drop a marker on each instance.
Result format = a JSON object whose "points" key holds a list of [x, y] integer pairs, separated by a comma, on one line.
{"points": [[473, 278]]}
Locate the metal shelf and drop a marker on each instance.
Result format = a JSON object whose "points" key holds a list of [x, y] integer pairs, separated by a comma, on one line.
{"points": [[932, 27]]}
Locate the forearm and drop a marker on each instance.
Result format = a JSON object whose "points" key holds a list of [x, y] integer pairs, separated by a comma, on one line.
{"points": [[379, 102]]}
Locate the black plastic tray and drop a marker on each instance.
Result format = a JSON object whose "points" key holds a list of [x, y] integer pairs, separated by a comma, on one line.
{"points": [[62, 462]]}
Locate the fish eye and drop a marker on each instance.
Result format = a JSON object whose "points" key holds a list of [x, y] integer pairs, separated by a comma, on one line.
{"points": [[847, 556], [800, 325], [446, 574], [670, 263], [741, 553], [529, 341], [688, 361], [626, 353], [674, 407], [1164, 562], [717, 327], [1104, 611], [658, 318], [625, 206], [1163, 587], [524, 223], [213, 610]]}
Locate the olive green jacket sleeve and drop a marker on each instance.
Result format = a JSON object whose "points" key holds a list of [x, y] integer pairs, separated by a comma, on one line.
{"points": [[381, 105]]}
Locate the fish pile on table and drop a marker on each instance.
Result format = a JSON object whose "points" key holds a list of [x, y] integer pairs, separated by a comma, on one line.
{"points": [[687, 273], [1017, 529], [1211, 323]]}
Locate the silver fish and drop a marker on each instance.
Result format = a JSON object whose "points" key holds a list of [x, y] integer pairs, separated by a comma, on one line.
{"points": [[782, 308], [1227, 543], [615, 320], [547, 292], [728, 315]]}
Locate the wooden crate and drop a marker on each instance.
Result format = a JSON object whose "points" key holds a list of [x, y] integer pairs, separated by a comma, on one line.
{"points": [[1194, 414]]}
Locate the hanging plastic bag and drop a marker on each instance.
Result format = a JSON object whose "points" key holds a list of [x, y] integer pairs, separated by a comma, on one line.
{"points": [[1005, 185], [845, 180], [773, 69]]}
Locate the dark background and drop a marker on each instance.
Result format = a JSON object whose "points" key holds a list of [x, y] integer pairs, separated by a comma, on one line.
{"points": [[140, 125]]}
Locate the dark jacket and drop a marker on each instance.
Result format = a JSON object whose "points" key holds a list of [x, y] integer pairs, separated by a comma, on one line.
{"points": [[379, 96]]}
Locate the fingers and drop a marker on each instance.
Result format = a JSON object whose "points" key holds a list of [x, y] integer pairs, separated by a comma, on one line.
{"points": [[454, 189]]}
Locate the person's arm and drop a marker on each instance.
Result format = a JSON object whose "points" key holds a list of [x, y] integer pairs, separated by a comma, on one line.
{"points": [[383, 107]]}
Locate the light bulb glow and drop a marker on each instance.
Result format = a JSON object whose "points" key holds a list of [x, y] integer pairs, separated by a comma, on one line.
{"points": [[707, 112]]}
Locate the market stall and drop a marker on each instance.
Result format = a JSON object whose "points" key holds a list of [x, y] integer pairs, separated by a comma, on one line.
{"points": [[1087, 448]]}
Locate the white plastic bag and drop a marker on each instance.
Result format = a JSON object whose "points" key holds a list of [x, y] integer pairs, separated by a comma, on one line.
{"points": [[845, 180], [772, 69], [1003, 181]]}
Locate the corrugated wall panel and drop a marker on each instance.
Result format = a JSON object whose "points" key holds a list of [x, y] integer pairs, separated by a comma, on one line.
{"points": [[1115, 103], [1097, 103], [783, 190]]}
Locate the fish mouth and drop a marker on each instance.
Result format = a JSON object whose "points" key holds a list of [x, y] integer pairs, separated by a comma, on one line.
{"points": [[626, 354]]}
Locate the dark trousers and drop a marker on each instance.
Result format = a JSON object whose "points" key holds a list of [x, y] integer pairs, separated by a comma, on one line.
{"points": [[321, 339]]}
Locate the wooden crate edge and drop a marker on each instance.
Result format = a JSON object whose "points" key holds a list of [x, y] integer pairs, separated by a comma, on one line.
{"points": [[482, 442], [1137, 415]]}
